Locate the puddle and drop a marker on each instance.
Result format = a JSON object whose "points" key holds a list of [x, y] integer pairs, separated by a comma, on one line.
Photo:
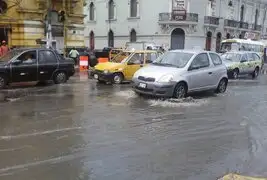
{"points": [[126, 94], [178, 102]]}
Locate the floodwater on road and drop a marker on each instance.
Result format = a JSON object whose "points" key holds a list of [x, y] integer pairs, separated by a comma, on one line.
{"points": [[83, 130]]}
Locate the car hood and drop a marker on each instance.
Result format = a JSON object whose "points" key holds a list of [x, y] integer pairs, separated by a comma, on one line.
{"points": [[229, 63], [157, 72], [109, 66]]}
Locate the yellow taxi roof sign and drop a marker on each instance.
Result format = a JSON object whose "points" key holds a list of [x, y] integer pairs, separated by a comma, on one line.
{"points": [[239, 177]]}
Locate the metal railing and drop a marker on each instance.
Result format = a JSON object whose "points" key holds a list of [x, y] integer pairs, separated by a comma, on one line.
{"points": [[243, 25], [256, 27], [193, 17], [211, 20], [231, 23]]}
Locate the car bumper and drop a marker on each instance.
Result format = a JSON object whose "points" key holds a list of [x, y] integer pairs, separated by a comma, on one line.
{"points": [[154, 88], [102, 76]]}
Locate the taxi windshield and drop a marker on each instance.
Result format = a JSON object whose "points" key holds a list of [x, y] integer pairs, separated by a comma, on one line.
{"points": [[10, 55], [231, 57], [176, 59], [120, 57]]}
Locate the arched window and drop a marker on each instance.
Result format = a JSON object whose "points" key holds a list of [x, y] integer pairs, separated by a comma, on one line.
{"points": [[111, 9], [133, 36], [242, 13], [133, 8], [92, 40], [91, 11], [110, 38], [256, 18], [3, 7]]}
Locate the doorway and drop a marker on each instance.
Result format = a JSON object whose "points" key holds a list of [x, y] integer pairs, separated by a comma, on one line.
{"points": [[208, 41], [177, 39]]}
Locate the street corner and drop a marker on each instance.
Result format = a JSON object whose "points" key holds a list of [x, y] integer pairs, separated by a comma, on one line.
{"points": [[239, 177]]}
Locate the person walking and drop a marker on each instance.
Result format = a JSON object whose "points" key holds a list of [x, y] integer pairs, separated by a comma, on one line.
{"points": [[4, 48], [74, 55]]}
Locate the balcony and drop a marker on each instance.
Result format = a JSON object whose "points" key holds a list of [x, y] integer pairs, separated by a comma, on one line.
{"points": [[255, 27], [211, 21], [243, 25], [231, 23], [177, 19]]}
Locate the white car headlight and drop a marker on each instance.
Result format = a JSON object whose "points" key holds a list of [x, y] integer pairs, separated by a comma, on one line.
{"points": [[166, 78], [106, 71]]}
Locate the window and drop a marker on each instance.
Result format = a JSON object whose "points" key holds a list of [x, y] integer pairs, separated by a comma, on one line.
{"points": [[133, 8], [151, 57], [256, 57], [244, 58], [111, 10], [250, 56], [215, 59], [137, 58], [91, 11], [200, 61], [110, 39], [28, 57], [133, 36], [46, 56]]}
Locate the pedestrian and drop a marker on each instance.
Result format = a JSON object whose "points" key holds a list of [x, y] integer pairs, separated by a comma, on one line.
{"points": [[4, 48], [74, 55]]}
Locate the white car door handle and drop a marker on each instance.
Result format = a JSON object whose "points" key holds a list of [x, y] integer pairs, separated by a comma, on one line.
{"points": [[22, 74], [42, 72]]}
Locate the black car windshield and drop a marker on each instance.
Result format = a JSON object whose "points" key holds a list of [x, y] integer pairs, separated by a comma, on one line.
{"points": [[10, 55], [231, 57], [176, 59]]}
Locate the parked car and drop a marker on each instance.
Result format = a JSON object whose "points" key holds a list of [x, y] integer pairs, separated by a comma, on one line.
{"points": [[118, 72], [179, 72], [240, 62], [22, 65]]}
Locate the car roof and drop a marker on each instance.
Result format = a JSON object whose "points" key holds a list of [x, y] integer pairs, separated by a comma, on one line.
{"points": [[29, 49], [240, 52], [193, 51]]}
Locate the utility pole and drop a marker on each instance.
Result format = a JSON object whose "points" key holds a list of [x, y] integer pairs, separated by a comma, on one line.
{"points": [[65, 26], [48, 26]]}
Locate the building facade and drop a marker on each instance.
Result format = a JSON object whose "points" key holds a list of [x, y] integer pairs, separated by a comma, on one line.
{"points": [[176, 24], [24, 22]]}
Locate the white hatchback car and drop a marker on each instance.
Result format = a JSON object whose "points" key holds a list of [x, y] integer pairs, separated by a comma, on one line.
{"points": [[179, 72]]}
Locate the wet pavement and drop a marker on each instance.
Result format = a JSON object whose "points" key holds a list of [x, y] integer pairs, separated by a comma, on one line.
{"points": [[84, 131]]}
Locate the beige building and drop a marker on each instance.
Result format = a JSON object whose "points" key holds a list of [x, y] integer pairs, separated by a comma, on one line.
{"points": [[22, 22]]}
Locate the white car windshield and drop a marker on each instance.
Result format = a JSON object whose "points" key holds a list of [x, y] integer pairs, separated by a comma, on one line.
{"points": [[175, 59], [231, 57]]}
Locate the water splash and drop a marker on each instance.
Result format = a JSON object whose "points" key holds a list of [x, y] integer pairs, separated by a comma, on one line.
{"points": [[178, 102]]}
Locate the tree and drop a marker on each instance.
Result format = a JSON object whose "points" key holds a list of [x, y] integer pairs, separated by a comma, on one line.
{"points": [[12, 3]]}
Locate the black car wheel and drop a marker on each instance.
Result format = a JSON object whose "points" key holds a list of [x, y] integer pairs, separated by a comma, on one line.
{"points": [[2, 82], [60, 78], [235, 73], [222, 86], [256, 72], [117, 78], [180, 91]]}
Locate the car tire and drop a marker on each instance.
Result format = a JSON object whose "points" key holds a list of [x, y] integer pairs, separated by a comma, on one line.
{"points": [[3, 82], [117, 78], [60, 77], [180, 91], [235, 74], [256, 72], [222, 86]]}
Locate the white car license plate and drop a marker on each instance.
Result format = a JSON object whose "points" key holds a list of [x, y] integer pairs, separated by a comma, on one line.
{"points": [[142, 85], [95, 76]]}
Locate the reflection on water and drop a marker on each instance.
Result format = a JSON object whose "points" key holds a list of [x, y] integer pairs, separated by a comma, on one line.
{"points": [[95, 131]]}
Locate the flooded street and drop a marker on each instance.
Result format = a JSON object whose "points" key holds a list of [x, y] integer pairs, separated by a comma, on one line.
{"points": [[83, 130]]}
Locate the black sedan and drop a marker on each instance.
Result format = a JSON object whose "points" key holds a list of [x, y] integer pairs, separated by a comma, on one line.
{"points": [[25, 65]]}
